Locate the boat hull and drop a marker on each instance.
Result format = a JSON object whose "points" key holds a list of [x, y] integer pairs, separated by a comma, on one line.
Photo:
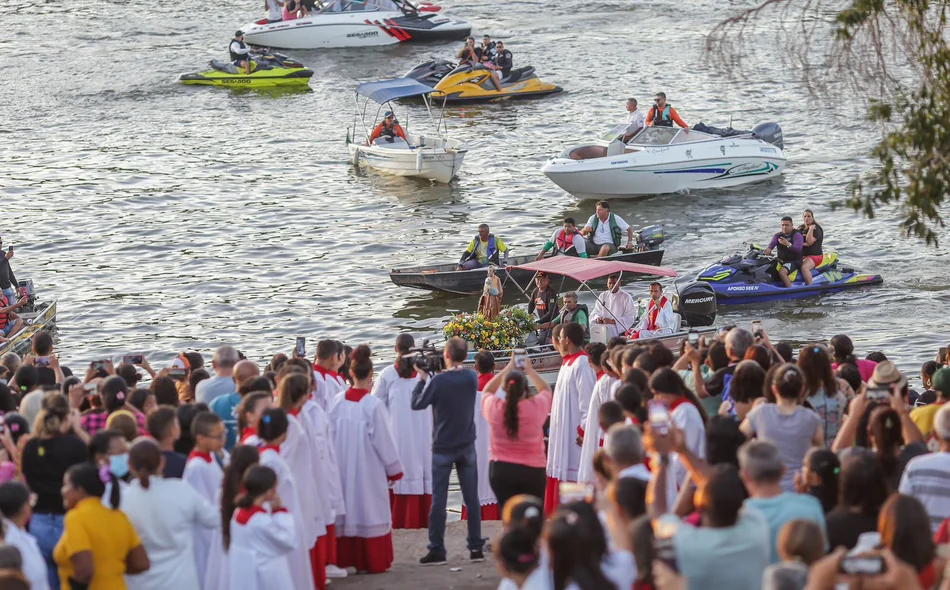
{"points": [[437, 165], [830, 281], [22, 341], [276, 78], [444, 278]]}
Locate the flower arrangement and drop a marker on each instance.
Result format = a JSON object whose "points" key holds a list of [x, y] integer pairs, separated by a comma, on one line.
{"points": [[507, 330]]}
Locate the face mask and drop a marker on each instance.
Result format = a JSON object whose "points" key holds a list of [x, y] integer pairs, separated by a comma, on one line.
{"points": [[119, 465]]}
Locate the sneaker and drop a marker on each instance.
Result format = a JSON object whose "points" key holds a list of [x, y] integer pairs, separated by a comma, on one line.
{"points": [[335, 572], [476, 555], [433, 558]]}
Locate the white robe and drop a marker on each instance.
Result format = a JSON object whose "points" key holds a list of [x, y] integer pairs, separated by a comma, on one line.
{"points": [[327, 384], [259, 552], [164, 516], [297, 450], [664, 320], [411, 429], [572, 392], [290, 493], [367, 455], [603, 392], [326, 473], [205, 476], [618, 306], [686, 418], [486, 495]]}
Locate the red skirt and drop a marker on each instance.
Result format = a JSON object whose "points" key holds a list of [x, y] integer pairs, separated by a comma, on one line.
{"points": [[372, 555], [551, 496], [318, 562], [331, 544], [489, 512], [410, 511]]}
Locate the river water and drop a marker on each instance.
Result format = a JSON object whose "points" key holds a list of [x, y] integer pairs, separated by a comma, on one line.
{"points": [[166, 217]]}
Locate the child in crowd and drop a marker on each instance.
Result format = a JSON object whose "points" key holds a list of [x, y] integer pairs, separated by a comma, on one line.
{"points": [[610, 413], [250, 410], [800, 544], [204, 471], [242, 459], [162, 425]]}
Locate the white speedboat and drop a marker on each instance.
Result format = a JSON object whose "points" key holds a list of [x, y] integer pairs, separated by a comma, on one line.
{"points": [[662, 160], [357, 23], [435, 157]]}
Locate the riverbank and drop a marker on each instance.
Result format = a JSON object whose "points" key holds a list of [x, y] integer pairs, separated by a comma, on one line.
{"points": [[407, 574]]}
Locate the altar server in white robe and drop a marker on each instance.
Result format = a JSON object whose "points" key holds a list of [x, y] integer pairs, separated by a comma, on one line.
{"points": [[368, 461], [263, 536], [615, 308], [593, 434], [204, 472], [272, 430], [412, 431], [658, 318], [163, 512], [485, 367], [572, 392], [328, 382]]}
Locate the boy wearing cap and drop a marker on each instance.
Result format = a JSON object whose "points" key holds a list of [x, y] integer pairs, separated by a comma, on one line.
{"points": [[388, 128], [923, 416]]}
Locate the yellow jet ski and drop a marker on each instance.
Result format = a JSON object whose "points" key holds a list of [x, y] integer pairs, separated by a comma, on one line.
{"points": [[268, 71], [468, 83]]}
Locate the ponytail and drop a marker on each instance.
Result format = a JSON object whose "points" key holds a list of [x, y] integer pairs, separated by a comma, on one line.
{"points": [[145, 459], [242, 459], [515, 388]]}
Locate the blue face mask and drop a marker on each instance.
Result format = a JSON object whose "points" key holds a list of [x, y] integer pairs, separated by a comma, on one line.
{"points": [[119, 465]]}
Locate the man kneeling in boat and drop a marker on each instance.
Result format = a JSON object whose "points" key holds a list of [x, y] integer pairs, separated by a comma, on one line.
{"points": [[484, 249], [571, 312], [658, 319], [388, 128], [566, 240], [10, 323]]}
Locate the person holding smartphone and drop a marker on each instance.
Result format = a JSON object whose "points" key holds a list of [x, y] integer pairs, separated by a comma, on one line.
{"points": [[8, 282]]}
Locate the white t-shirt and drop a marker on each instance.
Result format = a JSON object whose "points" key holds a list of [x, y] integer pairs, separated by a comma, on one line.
{"points": [[636, 120], [602, 235], [927, 478], [274, 10]]}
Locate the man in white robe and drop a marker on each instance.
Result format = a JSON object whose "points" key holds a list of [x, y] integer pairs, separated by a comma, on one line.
{"points": [[658, 319], [327, 382], [572, 392], [615, 308]]}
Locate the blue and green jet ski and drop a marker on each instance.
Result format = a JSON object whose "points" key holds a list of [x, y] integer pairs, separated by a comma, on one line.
{"points": [[752, 277]]}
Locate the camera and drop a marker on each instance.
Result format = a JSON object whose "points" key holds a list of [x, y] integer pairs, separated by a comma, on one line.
{"points": [[426, 358]]}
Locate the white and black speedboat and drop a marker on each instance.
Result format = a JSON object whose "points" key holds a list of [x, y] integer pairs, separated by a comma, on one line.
{"points": [[662, 160], [356, 23]]}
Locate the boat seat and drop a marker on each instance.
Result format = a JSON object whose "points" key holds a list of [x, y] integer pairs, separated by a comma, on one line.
{"points": [[588, 152], [517, 75], [677, 323], [616, 147], [397, 143]]}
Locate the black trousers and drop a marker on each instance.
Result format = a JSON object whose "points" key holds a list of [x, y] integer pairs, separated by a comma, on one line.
{"points": [[511, 479]]}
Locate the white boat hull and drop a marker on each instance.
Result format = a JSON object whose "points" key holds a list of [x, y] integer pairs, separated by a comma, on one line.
{"points": [[661, 169], [431, 158]]}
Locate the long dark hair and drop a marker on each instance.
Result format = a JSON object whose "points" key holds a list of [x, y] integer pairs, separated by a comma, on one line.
{"points": [[273, 424], [815, 363], [247, 405], [99, 445], [361, 365], [518, 551], [826, 466], [242, 458], [668, 381], [901, 521], [747, 381], [88, 478], [863, 484], [843, 350], [404, 366], [787, 381], [257, 481], [145, 458], [516, 386], [291, 390], [577, 544], [884, 429]]}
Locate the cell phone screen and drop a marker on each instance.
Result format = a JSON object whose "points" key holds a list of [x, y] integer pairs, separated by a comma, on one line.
{"points": [[693, 339], [301, 347], [520, 358]]}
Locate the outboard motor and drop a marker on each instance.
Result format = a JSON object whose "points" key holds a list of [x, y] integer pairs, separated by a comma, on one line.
{"points": [[770, 132], [697, 304], [26, 289], [651, 236]]}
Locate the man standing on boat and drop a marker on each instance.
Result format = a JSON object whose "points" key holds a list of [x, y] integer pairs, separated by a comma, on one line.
{"points": [[604, 230], [484, 249], [635, 120], [615, 308], [566, 240], [544, 303], [8, 282], [658, 319], [663, 114]]}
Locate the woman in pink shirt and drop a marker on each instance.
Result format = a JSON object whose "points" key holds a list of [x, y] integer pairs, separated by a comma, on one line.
{"points": [[516, 436], [843, 351]]}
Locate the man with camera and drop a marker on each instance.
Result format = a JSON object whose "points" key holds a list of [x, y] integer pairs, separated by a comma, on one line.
{"points": [[451, 392]]}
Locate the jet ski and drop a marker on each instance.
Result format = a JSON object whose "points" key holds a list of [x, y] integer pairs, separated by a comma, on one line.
{"points": [[468, 83], [268, 70], [752, 278]]}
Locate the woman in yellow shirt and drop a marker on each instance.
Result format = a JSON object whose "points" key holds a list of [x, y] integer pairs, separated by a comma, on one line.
{"points": [[98, 544]]}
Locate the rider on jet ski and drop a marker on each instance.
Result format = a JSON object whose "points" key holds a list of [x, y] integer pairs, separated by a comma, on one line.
{"points": [[789, 242], [503, 61], [240, 52], [388, 128]]}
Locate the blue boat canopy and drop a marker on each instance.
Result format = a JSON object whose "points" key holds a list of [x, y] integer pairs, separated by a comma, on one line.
{"points": [[387, 90]]}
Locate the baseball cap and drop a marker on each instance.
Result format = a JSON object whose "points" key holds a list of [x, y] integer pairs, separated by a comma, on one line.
{"points": [[239, 33], [941, 382], [388, 114]]}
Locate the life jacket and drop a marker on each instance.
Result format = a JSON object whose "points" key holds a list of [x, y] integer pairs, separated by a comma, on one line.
{"points": [[614, 228], [653, 312], [785, 253], [814, 249], [568, 316], [492, 250], [565, 242], [545, 304], [504, 61], [238, 56], [387, 131], [3, 316], [661, 118]]}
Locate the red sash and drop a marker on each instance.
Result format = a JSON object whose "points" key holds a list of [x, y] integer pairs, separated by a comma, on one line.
{"points": [[654, 312], [569, 359]]}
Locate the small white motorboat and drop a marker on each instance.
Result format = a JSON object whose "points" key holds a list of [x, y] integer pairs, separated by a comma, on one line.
{"points": [[357, 23], [662, 160], [435, 157]]}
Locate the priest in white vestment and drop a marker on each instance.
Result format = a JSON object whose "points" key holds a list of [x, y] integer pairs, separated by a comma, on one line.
{"points": [[658, 319], [615, 308]]}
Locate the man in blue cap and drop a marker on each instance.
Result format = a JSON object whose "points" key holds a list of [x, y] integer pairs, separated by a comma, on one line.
{"points": [[388, 128]]}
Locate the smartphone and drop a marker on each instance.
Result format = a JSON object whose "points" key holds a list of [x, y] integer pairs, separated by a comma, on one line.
{"points": [[177, 374], [99, 365], [91, 387], [756, 326], [878, 394], [570, 492], [133, 359], [659, 416], [663, 547], [862, 565], [301, 348], [41, 361], [693, 338], [10, 249], [521, 357]]}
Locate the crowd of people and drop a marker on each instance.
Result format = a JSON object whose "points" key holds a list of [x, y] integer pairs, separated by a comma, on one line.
{"points": [[739, 464]]}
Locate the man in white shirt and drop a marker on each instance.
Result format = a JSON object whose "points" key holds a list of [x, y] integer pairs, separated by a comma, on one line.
{"points": [[15, 506], [635, 120], [604, 231], [615, 308], [274, 8], [927, 477], [658, 319]]}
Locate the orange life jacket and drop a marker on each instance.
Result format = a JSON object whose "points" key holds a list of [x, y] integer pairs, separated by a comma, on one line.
{"points": [[4, 318], [565, 241]]}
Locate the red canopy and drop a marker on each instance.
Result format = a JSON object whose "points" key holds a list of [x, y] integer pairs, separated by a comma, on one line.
{"points": [[588, 269]]}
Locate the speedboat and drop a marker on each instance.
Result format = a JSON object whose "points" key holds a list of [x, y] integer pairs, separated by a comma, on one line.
{"points": [[751, 278], [435, 157], [268, 71], [357, 23], [467, 83], [446, 278], [37, 316], [661, 160]]}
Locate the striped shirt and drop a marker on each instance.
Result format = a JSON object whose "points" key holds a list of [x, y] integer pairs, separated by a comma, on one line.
{"points": [[927, 478]]}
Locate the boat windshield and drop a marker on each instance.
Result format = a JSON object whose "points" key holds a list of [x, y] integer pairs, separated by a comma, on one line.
{"points": [[359, 6], [615, 133], [655, 136]]}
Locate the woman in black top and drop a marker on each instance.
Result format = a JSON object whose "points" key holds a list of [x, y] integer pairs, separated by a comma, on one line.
{"points": [[814, 236]]}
